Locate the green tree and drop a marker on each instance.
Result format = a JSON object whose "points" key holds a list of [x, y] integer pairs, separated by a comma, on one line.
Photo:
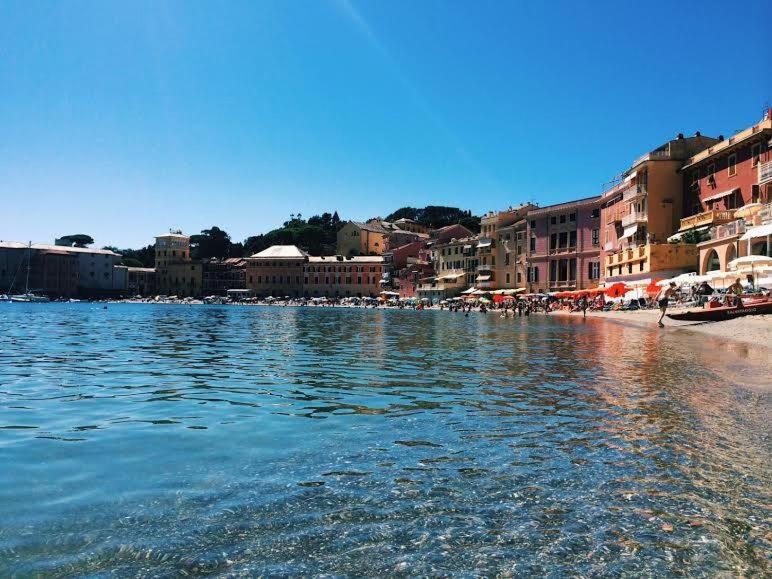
{"points": [[75, 240], [213, 242]]}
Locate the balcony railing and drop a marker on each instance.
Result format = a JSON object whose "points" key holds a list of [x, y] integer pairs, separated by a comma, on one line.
{"points": [[557, 250], [634, 193], [626, 255], [634, 217], [614, 214], [729, 230], [485, 267], [706, 218]]}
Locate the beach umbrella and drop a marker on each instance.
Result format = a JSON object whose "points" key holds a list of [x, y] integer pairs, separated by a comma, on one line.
{"points": [[751, 260], [617, 290], [653, 288]]}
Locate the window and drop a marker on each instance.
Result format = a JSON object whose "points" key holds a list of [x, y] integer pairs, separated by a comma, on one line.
{"points": [[595, 213], [711, 169], [732, 165], [507, 277], [572, 216], [563, 218], [533, 244], [572, 238], [506, 259], [519, 277], [533, 224], [563, 239], [593, 270], [553, 220], [571, 269], [755, 154], [596, 236], [554, 241]]}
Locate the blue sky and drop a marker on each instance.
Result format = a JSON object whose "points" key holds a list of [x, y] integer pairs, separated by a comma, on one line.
{"points": [[122, 120]]}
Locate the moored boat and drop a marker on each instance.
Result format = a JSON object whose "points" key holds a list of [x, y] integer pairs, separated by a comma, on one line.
{"points": [[753, 307]]}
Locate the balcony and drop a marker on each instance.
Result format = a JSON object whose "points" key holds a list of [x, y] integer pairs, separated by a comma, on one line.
{"points": [[559, 250], [707, 218], [634, 193], [614, 213], [729, 230], [485, 267], [634, 217], [626, 256]]}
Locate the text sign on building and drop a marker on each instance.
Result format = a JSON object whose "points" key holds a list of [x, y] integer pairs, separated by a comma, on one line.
{"points": [[765, 172]]}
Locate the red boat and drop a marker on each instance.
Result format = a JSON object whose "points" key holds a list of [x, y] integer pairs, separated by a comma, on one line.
{"points": [[751, 307]]}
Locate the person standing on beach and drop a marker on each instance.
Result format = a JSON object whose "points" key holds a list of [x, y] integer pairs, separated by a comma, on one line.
{"points": [[663, 298], [583, 304]]}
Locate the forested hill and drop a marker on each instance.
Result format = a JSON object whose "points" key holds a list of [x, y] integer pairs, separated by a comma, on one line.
{"points": [[436, 216]]}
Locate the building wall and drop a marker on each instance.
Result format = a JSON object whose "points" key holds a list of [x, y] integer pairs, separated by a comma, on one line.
{"points": [[355, 240], [698, 186], [141, 281], [335, 277], [574, 246], [445, 234], [95, 271], [276, 277]]}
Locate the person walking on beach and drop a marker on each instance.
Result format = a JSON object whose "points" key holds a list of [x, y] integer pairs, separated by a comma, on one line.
{"points": [[583, 304], [663, 298]]}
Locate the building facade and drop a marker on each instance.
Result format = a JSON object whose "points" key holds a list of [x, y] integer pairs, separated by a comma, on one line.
{"points": [[338, 276], [176, 273], [220, 275], [563, 251], [642, 209], [276, 271], [53, 271], [141, 281]]}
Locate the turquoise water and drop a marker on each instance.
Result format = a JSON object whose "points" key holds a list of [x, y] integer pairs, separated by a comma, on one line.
{"points": [[160, 440]]}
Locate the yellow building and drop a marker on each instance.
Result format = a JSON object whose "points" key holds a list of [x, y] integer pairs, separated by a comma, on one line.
{"points": [[642, 209], [176, 273], [357, 238]]}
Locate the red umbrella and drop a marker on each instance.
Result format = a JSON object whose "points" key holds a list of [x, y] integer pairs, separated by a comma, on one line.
{"points": [[617, 290], [653, 289]]}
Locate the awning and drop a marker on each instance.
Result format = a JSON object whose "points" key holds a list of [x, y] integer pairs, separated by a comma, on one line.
{"points": [[719, 195], [629, 231], [483, 278], [759, 231], [467, 247], [484, 243], [678, 236], [453, 276], [471, 290]]}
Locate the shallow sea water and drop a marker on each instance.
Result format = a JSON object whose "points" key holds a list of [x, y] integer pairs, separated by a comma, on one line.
{"points": [[145, 440]]}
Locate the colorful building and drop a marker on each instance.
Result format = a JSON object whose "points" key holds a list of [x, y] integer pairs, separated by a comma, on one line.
{"points": [[642, 209], [339, 276], [176, 273], [276, 271], [564, 246], [220, 275]]}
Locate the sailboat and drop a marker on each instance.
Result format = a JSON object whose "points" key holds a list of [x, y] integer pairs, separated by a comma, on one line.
{"points": [[28, 296]]}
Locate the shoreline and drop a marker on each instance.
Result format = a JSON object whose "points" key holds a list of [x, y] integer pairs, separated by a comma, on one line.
{"points": [[748, 330]]}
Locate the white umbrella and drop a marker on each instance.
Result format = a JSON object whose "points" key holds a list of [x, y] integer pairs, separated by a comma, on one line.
{"points": [[750, 260]]}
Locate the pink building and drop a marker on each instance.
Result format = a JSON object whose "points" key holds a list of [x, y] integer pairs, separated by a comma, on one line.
{"points": [[564, 246]]}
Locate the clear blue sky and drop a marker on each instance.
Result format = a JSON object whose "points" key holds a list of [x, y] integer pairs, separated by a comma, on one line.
{"points": [[124, 119]]}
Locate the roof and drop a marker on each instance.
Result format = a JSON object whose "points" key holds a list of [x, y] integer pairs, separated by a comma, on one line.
{"points": [[374, 227], [141, 269], [764, 126], [341, 259], [587, 201], [50, 247], [177, 235], [280, 252]]}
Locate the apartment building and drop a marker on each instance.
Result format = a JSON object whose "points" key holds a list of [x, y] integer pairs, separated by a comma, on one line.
{"points": [[564, 246], [176, 273], [642, 209]]}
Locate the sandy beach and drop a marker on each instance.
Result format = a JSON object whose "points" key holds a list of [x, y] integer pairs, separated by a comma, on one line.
{"points": [[751, 330]]}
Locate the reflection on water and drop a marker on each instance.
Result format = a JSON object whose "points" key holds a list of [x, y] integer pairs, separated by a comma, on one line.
{"points": [[167, 440]]}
